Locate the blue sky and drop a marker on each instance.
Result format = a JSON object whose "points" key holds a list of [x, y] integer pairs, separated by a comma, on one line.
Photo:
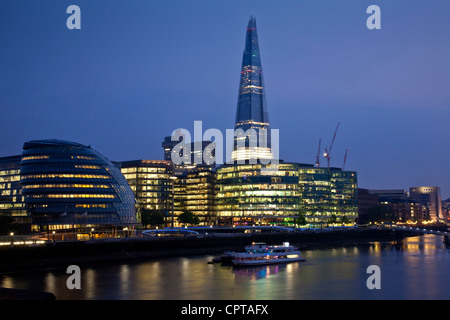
{"points": [[137, 70]]}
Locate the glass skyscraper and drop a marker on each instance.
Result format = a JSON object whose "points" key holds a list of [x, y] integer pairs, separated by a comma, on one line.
{"points": [[251, 114]]}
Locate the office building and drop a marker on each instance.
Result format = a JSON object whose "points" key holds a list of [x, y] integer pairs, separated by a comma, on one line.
{"points": [[429, 197], [328, 194], [12, 202], [252, 114], [195, 191], [390, 194], [190, 153], [366, 200], [151, 183]]}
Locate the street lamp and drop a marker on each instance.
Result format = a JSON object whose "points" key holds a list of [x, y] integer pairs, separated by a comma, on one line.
{"points": [[173, 178], [11, 235]]}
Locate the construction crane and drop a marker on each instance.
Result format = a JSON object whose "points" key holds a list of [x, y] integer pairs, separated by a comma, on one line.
{"points": [[318, 155], [327, 153], [345, 159]]}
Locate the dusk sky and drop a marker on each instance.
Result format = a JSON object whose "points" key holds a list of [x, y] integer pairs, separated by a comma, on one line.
{"points": [[137, 70]]}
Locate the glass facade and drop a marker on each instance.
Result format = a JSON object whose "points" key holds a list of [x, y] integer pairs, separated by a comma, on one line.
{"points": [[429, 197], [252, 106], [195, 191], [151, 184], [248, 196], [328, 194], [66, 183], [12, 202], [194, 153]]}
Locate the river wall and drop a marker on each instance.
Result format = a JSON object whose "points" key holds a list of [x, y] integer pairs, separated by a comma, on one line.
{"points": [[63, 254]]}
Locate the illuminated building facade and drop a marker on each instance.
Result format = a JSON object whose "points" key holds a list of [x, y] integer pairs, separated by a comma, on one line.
{"points": [[194, 153], [246, 196], [328, 194], [251, 111], [195, 191], [429, 197], [12, 202], [66, 184], [151, 184], [252, 193]]}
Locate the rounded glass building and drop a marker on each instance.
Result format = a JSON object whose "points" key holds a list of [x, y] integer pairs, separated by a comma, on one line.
{"points": [[67, 184]]}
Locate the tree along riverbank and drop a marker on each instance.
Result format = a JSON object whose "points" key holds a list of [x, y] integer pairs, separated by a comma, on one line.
{"points": [[85, 253]]}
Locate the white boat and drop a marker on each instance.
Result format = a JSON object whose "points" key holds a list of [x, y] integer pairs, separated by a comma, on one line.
{"points": [[259, 253]]}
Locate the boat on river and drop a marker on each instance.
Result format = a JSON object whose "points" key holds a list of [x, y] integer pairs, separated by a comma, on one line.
{"points": [[259, 253]]}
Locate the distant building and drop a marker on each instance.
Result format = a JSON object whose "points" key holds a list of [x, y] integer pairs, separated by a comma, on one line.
{"points": [[67, 184], [366, 200], [12, 202], [401, 207], [430, 197], [446, 208], [191, 153], [251, 113], [390, 194], [407, 210]]}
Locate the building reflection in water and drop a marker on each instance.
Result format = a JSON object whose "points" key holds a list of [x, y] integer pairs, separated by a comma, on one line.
{"points": [[415, 268]]}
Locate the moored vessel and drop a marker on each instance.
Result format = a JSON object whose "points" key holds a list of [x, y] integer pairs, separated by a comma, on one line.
{"points": [[259, 253]]}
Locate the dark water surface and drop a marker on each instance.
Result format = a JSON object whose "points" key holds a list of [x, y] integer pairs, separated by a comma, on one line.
{"points": [[416, 268]]}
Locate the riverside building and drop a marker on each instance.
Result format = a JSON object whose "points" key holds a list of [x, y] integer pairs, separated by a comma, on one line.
{"points": [[151, 183], [429, 197], [195, 191], [251, 113], [322, 195], [12, 202], [67, 185], [328, 194]]}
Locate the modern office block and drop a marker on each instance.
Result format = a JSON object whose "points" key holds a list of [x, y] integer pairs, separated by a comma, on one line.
{"points": [[151, 183], [248, 196], [12, 202], [328, 194], [190, 153], [430, 197]]}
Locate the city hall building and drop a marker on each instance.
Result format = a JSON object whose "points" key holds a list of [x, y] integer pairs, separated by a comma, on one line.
{"points": [[67, 184]]}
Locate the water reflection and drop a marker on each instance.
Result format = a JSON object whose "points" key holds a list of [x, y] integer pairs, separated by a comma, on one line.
{"points": [[415, 268], [257, 272]]}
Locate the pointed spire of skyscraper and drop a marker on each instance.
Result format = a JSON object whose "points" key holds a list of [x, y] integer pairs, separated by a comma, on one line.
{"points": [[252, 106]]}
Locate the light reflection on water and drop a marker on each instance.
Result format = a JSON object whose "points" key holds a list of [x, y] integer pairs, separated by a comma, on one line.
{"points": [[413, 269]]}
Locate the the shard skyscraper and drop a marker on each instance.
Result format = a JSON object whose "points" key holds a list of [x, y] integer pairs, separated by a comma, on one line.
{"points": [[252, 131]]}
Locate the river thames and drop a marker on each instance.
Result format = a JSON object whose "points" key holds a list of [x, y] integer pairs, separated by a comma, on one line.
{"points": [[415, 268]]}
